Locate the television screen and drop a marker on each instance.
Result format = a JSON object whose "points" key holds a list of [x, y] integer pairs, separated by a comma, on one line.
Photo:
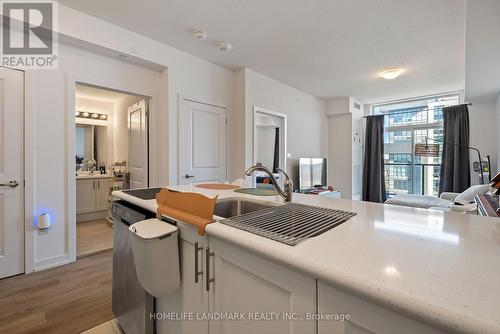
{"points": [[312, 172]]}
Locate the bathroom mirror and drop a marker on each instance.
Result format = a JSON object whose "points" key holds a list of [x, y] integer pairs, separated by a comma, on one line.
{"points": [[91, 144]]}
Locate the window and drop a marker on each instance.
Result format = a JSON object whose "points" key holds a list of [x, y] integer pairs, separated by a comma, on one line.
{"points": [[405, 125]]}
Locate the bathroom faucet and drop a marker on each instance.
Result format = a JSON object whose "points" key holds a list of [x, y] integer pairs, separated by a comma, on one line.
{"points": [[287, 190]]}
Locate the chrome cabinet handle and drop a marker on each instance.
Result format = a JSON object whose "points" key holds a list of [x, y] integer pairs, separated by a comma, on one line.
{"points": [[11, 184], [207, 264], [196, 261], [187, 176]]}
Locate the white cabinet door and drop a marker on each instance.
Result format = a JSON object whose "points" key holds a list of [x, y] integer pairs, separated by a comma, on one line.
{"points": [[365, 317], [202, 143], [102, 200], [245, 282], [191, 298], [86, 196]]}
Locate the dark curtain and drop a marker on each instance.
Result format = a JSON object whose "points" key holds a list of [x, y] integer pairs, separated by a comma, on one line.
{"points": [[455, 163], [276, 159], [373, 165]]}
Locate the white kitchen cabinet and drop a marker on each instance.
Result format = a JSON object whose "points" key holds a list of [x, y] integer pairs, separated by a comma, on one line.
{"points": [[248, 283], [365, 317], [92, 195], [85, 196], [192, 297]]}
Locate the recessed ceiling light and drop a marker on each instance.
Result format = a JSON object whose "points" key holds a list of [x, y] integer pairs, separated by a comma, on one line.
{"points": [[86, 114], [77, 113], [392, 73], [95, 116], [200, 34], [224, 46]]}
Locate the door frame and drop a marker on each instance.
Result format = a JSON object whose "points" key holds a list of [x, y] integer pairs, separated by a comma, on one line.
{"points": [[259, 110], [125, 87], [26, 184], [180, 100]]}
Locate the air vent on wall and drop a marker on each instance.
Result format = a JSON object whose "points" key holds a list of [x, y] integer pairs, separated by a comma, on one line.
{"points": [[357, 105]]}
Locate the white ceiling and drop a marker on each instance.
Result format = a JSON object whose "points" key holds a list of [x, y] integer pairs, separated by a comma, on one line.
{"points": [[323, 47]]}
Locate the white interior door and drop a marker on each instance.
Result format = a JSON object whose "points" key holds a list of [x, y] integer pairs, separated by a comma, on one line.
{"points": [[138, 145], [202, 143], [11, 173]]}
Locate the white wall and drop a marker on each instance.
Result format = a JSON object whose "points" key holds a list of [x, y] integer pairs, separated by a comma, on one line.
{"points": [[48, 99], [306, 119], [498, 136], [483, 129], [52, 147]]}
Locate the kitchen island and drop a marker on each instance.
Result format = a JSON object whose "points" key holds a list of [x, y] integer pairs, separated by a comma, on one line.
{"points": [[391, 269]]}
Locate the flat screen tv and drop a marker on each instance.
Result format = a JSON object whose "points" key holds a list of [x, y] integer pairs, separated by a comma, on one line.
{"points": [[312, 173]]}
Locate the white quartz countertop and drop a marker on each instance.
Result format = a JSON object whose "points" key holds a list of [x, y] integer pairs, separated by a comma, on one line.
{"points": [[440, 267], [93, 176]]}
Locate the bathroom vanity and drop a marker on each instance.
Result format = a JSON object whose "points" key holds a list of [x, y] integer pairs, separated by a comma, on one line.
{"points": [[92, 196], [387, 270]]}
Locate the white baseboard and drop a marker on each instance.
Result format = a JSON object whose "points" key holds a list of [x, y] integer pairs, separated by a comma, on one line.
{"points": [[85, 217], [51, 262]]}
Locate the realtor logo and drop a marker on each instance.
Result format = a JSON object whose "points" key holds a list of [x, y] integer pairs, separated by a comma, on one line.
{"points": [[29, 40]]}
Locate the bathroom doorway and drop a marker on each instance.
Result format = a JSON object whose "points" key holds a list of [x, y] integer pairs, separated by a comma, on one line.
{"points": [[111, 153]]}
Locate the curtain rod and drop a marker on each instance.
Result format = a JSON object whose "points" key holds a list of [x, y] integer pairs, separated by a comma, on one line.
{"points": [[413, 111]]}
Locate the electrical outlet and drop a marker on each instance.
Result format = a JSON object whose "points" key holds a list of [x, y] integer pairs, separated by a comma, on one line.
{"points": [[42, 231]]}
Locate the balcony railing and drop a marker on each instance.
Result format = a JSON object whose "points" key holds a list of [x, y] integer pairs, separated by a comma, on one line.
{"points": [[420, 178]]}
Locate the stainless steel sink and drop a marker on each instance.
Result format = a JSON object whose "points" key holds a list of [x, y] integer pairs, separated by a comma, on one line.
{"points": [[233, 207], [291, 223]]}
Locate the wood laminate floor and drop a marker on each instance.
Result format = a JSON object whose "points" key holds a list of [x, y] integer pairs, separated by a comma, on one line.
{"points": [[63, 300], [93, 237]]}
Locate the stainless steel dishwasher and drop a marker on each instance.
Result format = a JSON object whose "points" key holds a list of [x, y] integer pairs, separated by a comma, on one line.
{"points": [[132, 305]]}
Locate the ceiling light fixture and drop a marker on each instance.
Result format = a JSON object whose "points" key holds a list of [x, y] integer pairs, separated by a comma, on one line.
{"points": [[200, 34], [224, 46], [77, 113], [392, 73]]}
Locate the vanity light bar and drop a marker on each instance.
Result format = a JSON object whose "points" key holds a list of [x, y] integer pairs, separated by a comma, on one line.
{"points": [[92, 115]]}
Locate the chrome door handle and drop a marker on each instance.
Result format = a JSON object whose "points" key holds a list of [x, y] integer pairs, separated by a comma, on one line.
{"points": [[187, 176], [209, 280], [11, 184], [196, 261]]}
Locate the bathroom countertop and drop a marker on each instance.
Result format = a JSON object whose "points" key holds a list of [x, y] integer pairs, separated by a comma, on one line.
{"points": [[93, 176], [439, 267]]}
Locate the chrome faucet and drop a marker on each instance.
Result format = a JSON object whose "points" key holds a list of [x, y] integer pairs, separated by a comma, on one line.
{"points": [[287, 190]]}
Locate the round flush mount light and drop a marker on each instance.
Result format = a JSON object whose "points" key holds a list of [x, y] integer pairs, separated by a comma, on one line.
{"points": [[224, 46], [200, 34], [392, 73]]}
